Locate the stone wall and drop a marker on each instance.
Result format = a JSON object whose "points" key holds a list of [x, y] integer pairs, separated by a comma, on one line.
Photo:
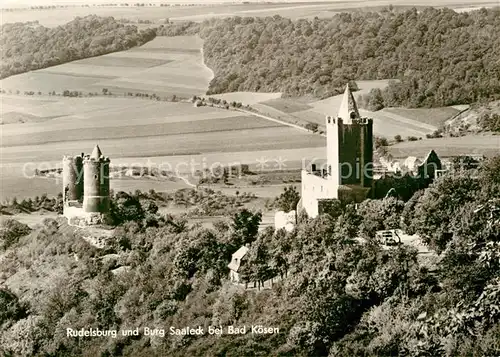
{"points": [[286, 220], [314, 188]]}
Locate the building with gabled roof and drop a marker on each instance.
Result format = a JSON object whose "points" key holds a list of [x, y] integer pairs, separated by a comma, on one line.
{"points": [[430, 166], [235, 264], [427, 166]]}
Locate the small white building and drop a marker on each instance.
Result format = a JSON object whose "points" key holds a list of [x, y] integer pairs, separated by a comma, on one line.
{"points": [[235, 264], [286, 220], [412, 164]]}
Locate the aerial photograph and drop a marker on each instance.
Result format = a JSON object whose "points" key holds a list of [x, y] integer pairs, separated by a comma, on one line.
{"points": [[212, 178]]}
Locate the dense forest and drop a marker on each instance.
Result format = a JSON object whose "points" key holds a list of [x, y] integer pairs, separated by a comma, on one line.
{"points": [[440, 57], [437, 57], [336, 296], [30, 46]]}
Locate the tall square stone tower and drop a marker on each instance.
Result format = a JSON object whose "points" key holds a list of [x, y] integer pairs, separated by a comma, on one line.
{"points": [[349, 145], [348, 174]]}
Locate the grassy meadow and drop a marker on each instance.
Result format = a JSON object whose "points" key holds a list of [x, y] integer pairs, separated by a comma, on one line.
{"points": [[486, 144], [431, 116], [247, 98], [387, 122]]}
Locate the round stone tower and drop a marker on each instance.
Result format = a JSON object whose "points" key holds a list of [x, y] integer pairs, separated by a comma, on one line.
{"points": [[72, 177], [96, 182]]}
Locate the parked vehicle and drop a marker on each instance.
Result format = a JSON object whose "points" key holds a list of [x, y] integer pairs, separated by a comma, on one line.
{"points": [[389, 237]]}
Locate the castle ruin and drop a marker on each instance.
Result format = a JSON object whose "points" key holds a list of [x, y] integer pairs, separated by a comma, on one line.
{"points": [[86, 188]]}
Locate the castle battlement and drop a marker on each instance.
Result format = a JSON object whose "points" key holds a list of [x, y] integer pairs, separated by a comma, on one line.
{"points": [[347, 175], [86, 187], [102, 159], [354, 121], [72, 157]]}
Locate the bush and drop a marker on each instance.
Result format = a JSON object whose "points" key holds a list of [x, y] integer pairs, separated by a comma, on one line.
{"points": [[12, 308], [288, 200], [490, 121], [436, 134], [312, 127], [10, 232], [380, 141], [125, 207]]}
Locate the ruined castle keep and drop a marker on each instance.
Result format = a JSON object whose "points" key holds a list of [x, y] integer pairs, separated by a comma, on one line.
{"points": [[347, 174], [72, 182], [86, 187]]}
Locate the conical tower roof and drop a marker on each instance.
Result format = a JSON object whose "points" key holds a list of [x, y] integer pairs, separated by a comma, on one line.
{"points": [[348, 109], [96, 153]]}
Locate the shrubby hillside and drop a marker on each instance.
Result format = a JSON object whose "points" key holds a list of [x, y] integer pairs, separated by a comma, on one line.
{"points": [[335, 296], [479, 117], [440, 57], [30, 46], [488, 116]]}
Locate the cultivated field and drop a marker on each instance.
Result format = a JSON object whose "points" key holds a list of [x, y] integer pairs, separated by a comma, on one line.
{"points": [[432, 116], [326, 105], [38, 130], [391, 121], [249, 98], [166, 66], [287, 105], [157, 14], [32, 220], [387, 122], [136, 131], [488, 145]]}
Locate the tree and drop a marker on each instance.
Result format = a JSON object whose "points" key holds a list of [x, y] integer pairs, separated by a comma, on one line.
{"points": [[125, 207], [489, 121], [255, 59], [288, 200], [332, 207], [439, 204], [312, 127], [379, 215], [256, 266], [460, 163], [21, 338], [380, 141], [246, 226], [376, 101], [10, 232], [13, 308]]}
